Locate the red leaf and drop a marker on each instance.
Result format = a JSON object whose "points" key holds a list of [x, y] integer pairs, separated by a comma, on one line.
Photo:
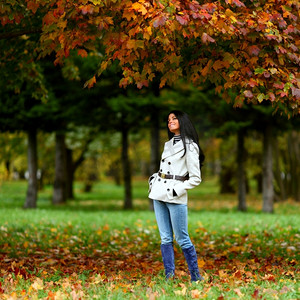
{"points": [[210, 7], [271, 97], [182, 20], [248, 94], [33, 6], [296, 92], [255, 294], [253, 50], [238, 3], [159, 21], [206, 38], [279, 85], [82, 53], [252, 83]]}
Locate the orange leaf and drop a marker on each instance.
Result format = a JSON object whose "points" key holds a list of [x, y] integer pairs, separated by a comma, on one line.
{"points": [[129, 15], [90, 83], [195, 294], [207, 68], [33, 6], [82, 53]]}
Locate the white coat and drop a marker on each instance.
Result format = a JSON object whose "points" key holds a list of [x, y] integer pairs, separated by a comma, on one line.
{"points": [[173, 163]]}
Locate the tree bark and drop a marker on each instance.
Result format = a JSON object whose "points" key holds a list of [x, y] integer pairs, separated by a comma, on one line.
{"points": [[71, 167], [277, 172], [31, 196], [126, 170], [70, 173], [268, 187], [60, 184], [242, 206]]}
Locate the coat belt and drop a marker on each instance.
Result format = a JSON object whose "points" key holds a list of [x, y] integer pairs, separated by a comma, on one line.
{"points": [[176, 177]]}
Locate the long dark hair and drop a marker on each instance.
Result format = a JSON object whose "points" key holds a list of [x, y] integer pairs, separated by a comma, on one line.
{"points": [[187, 131]]}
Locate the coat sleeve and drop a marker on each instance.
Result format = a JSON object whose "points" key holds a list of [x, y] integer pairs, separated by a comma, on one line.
{"points": [[193, 167]]}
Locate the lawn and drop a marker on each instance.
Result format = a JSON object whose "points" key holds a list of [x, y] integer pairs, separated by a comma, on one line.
{"points": [[91, 249]]}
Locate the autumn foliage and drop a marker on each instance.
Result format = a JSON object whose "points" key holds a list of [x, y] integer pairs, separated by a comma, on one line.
{"points": [[250, 48], [70, 260]]}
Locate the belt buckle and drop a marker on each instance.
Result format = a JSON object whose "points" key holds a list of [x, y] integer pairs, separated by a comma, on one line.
{"points": [[163, 176]]}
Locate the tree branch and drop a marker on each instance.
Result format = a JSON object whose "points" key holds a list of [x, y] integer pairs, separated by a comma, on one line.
{"points": [[12, 35]]}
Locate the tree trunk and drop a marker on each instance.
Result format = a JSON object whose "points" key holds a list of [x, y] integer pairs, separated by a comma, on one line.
{"points": [[268, 187], [126, 170], [60, 184], [154, 154], [71, 167], [277, 172], [70, 173], [241, 171], [31, 196], [7, 167]]}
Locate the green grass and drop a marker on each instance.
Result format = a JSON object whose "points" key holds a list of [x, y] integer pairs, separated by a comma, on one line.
{"points": [[90, 248]]}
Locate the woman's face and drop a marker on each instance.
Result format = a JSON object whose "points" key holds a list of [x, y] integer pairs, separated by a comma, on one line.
{"points": [[173, 124]]}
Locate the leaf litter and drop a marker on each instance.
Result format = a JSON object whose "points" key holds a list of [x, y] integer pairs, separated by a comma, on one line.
{"points": [[65, 262]]}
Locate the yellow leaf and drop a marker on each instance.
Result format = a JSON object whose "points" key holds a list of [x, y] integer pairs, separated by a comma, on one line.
{"points": [[201, 263], [228, 57], [130, 44], [104, 65], [149, 30], [238, 292], [139, 7], [181, 293], [38, 284], [25, 244], [233, 19]]}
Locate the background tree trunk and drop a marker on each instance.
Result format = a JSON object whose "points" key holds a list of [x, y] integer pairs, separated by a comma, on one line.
{"points": [[31, 196], [268, 187], [277, 172], [242, 206], [69, 173], [126, 170], [60, 184]]}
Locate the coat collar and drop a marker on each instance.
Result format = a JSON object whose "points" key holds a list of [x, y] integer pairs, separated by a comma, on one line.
{"points": [[171, 149]]}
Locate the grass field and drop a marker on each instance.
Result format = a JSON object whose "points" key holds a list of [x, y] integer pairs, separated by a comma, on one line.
{"points": [[91, 249]]}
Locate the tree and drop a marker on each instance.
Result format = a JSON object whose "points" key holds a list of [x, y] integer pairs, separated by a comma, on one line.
{"points": [[231, 43]]}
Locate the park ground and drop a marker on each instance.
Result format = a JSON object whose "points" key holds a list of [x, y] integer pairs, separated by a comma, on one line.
{"points": [[91, 249]]}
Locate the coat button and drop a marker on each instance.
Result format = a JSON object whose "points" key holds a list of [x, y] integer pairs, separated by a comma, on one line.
{"points": [[165, 181], [168, 172], [158, 179], [163, 160], [169, 163], [160, 170], [168, 190]]}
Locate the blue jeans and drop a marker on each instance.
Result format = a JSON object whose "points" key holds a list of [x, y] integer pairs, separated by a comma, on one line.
{"points": [[172, 218]]}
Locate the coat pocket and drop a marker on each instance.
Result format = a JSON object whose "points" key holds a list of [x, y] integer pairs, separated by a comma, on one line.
{"points": [[151, 181]]}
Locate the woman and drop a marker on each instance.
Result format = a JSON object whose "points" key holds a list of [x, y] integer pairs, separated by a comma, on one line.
{"points": [[179, 171]]}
